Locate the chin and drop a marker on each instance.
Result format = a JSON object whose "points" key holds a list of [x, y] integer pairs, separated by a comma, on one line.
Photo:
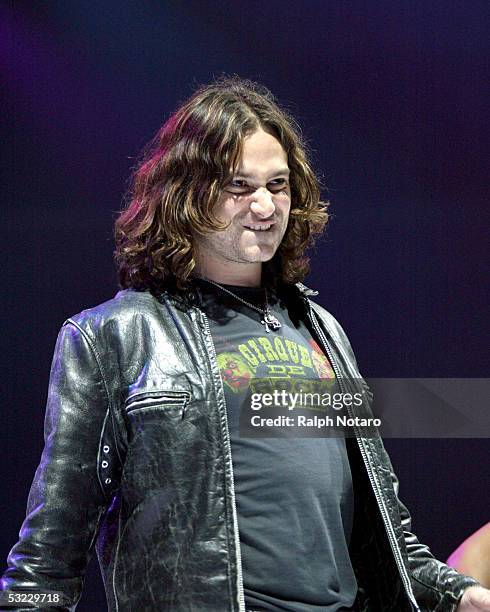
{"points": [[261, 257], [260, 253]]}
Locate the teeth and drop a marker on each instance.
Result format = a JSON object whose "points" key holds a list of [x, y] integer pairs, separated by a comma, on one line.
{"points": [[262, 228]]}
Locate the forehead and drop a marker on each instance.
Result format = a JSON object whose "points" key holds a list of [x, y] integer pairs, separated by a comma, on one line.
{"points": [[261, 152]]}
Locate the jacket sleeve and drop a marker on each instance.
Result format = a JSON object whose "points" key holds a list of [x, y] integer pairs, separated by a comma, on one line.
{"points": [[436, 586], [66, 501]]}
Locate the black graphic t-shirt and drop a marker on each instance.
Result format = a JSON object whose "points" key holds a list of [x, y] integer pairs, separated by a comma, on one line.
{"points": [[294, 494]]}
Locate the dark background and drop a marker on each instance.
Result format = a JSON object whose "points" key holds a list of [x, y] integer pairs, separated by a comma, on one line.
{"points": [[393, 99]]}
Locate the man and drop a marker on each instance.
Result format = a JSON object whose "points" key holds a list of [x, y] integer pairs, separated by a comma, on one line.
{"points": [[143, 451]]}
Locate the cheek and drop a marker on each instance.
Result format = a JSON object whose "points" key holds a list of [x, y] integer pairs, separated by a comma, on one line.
{"points": [[219, 211], [284, 205], [227, 208]]}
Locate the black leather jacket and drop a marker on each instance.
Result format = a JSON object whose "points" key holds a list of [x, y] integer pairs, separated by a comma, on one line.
{"points": [[137, 462]]}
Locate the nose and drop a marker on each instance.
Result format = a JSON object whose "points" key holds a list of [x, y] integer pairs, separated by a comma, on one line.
{"points": [[262, 204]]}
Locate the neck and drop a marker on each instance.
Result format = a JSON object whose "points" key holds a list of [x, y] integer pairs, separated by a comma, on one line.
{"points": [[248, 275]]}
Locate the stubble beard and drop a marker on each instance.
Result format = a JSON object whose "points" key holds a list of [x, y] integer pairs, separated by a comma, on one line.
{"points": [[235, 247]]}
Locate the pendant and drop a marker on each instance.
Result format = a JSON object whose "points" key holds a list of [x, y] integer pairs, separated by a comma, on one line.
{"points": [[271, 321]]}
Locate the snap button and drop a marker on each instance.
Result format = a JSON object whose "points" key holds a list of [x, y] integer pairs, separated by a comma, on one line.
{"points": [[108, 481], [104, 464], [106, 449]]}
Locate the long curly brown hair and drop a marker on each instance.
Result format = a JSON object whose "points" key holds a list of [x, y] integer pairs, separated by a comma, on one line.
{"points": [[182, 173]]}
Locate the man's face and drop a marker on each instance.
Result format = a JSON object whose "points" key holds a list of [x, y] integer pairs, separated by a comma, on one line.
{"points": [[256, 202]]}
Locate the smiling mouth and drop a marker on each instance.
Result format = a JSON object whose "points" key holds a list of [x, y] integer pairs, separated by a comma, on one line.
{"points": [[259, 227]]}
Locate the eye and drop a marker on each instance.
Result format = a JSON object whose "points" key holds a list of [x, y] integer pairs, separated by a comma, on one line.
{"points": [[278, 185], [237, 186]]}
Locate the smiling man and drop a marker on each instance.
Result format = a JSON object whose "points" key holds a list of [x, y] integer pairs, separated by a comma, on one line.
{"points": [[255, 203], [145, 457]]}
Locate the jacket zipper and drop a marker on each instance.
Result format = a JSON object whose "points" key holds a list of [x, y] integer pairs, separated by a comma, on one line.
{"points": [[372, 478], [212, 355]]}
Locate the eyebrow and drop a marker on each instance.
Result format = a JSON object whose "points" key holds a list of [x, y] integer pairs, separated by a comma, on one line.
{"points": [[246, 175]]}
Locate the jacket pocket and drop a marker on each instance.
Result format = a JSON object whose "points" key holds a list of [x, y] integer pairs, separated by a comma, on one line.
{"points": [[159, 400], [161, 436]]}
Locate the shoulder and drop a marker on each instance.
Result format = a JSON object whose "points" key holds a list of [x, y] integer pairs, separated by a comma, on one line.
{"points": [[125, 309], [336, 333], [330, 323], [327, 318]]}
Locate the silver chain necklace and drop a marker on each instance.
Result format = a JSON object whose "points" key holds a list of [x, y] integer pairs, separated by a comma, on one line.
{"points": [[269, 319]]}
